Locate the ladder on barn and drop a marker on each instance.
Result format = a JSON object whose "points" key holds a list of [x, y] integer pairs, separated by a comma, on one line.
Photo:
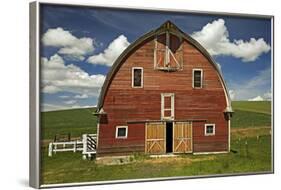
{"points": [[88, 146]]}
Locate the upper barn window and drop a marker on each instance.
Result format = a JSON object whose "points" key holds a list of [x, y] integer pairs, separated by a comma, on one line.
{"points": [[168, 54], [197, 78], [137, 77]]}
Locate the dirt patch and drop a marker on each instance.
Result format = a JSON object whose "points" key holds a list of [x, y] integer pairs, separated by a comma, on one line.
{"points": [[120, 160], [183, 160], [250, 132], [115, 160]]}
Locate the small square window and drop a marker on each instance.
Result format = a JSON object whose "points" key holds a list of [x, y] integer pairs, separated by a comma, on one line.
{"points": [[209, 129], [121, 132]]}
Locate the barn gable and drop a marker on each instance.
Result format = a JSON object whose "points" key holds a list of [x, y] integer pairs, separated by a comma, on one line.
{"points": [[175, 31]]}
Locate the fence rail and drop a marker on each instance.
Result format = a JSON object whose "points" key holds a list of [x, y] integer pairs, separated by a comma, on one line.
{"points": [[87, 146]]}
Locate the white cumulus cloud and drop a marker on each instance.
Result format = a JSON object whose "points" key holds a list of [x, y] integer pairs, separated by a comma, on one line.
{"points": [[64, 97], [215, 38], [219, 66], [70, 46], [267, 96], [70, 102], [259, 85], [232, 94], [111, 53], [59, 77], [51, 107], [258, 98], [81, 96], [54, 107]]}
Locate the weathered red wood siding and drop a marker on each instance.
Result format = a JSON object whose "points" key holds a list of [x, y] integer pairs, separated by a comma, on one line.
{"points": [[123, 103]]}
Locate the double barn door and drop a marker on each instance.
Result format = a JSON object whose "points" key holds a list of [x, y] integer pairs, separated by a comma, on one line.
{"points": [[156, 137]]}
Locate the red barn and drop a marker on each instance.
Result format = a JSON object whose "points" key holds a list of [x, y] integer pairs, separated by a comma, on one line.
{"points": [[164, 94]]}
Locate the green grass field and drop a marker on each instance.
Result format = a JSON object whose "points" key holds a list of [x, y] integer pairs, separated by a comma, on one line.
{"points": [[258, 107], [76, 122], [251, 114], [69, 167], [253, 156]]}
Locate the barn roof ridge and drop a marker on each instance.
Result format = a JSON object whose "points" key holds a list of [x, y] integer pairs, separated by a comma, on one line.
{"points": [[167, 25]]}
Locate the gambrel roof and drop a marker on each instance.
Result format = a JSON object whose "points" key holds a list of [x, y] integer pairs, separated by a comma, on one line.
{"points": [[172, 28]]}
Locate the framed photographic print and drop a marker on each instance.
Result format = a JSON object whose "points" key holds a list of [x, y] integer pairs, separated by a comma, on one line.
{"points": [[120, 94]]}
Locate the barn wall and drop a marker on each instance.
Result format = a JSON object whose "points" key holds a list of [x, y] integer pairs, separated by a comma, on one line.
{"points": [[123, 103], [109, 145]]}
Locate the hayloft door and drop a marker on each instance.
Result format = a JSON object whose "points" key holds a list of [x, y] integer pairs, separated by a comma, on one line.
{"points": [[182, 137], [155, 138]]}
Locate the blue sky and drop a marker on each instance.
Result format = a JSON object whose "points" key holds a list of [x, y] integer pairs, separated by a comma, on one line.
{"points": [[79, 45]]}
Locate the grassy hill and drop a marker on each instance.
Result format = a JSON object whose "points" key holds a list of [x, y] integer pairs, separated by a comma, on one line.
{"points": [[251, 114], [258, 107], [75, 121]]}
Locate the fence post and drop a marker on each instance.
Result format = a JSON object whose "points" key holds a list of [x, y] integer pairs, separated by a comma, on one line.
{"points": [[246, 143], [239, 147], [74, 148], [50, 149], [56, 147], [84, 140]]}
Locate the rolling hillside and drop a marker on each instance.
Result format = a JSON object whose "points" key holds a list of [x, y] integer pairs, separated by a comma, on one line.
{"points": [[259, 107], [75, 121], [251, 114]]}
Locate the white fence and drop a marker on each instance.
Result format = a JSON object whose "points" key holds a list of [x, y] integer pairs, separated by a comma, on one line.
{"points": [[88, 146]]}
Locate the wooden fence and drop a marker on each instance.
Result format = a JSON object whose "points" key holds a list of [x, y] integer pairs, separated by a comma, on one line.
{"points": [[88, 146]]}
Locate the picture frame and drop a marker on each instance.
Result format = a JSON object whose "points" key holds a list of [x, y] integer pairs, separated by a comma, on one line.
{"points": [[171, 120]]}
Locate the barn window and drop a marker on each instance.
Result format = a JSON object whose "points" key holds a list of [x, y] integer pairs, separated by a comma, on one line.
{"points": [[209, 129], [168, 54], [137, 77], [167, 106], [197, 78], [121, 132]]}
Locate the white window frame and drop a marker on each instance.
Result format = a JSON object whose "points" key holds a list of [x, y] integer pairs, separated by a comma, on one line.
{"points": [[133, 68], [193, 70], [172, 109], [116, 132], [214, 129]]}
